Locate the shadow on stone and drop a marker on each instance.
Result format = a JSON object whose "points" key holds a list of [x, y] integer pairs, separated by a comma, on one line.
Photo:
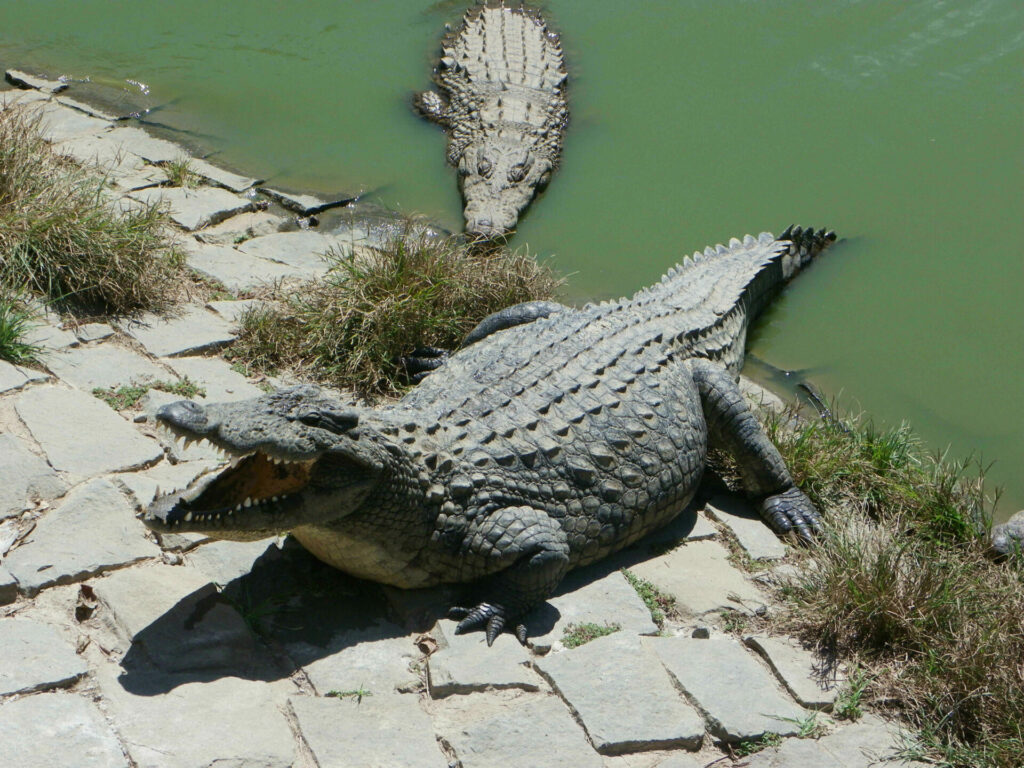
{"points": [[288, 600], [292, 610]]}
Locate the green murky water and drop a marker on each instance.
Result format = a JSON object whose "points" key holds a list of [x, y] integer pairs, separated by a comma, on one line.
{"points": [[901, 125]]}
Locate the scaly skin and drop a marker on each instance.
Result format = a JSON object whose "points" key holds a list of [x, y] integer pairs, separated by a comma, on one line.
{"points": [[503, 106], [554, 438]]}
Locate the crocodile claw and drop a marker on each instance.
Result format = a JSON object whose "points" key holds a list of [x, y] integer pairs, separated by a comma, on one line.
{"points": [[490, 616], [792, 511], [422, 361]]}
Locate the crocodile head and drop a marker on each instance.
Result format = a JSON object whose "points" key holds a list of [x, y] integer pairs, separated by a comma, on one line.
{"points": [[499, 177], [297, 458]]}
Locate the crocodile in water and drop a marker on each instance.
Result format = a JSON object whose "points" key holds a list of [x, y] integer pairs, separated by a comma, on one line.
{"points": [[545, 444], [503, 105]]}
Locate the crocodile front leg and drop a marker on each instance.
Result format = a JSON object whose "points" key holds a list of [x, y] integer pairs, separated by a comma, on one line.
{"points": [[432, 106], [537, 555], [734, 428]]}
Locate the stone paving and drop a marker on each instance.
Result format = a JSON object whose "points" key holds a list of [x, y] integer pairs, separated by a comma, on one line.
{"points": [[120, 648]]}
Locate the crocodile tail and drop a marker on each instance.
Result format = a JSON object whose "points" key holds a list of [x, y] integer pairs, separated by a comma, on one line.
{"points": [[716, 292], [797, 248]]}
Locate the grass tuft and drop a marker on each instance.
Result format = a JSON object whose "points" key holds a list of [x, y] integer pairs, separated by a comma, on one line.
{"points": [[15, 323], [350, 328], [128, 396], [900, 587], [180, 173], [61, 237], [576, 635], [658, 603]]}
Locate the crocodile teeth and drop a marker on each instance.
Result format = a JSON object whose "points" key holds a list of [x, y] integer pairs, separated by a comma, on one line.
{"points": [[188, 517], [248, 502]]}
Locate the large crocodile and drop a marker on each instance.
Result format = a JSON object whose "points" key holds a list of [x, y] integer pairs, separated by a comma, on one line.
{"points": [[545, 444], [504, 109]]}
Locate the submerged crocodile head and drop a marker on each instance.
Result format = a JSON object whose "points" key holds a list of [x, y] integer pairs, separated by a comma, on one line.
{"points": [[499, 177], [297, 458]]}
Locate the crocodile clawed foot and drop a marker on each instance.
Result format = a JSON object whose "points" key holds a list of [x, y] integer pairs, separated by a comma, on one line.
{"points": [[490, 616], [422, 362], [792, 512]]}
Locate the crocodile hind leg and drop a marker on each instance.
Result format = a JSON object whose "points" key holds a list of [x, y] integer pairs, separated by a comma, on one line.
{"points": [[733, 427], [517, 314], [423, 360], [537, 555]]}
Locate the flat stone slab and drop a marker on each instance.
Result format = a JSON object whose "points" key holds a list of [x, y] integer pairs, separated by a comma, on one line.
{"points": [[232, 311], [242, 227], [224, 561], [868, 743], [36, 658], [760, 396], [467, 664], [195, 208], [59, 123], [609, 600], [21, 98], [798, 670], [306, 205], [303, 249], [16, 376], [93, 332], [701, 579], [222, 722], [56, 729], [24, 477], [123, 168], [92, 531], [89, 109], [25, 80], [495, 731], [753, 535], [379, 731], [239, 271], [191, 330], [164, 478], [223, 178], [738, 697], [178, 618], [107, 366], [376, 659], [138, 142], [623, 696], [100, 442], [216, 377], [50, 337]]}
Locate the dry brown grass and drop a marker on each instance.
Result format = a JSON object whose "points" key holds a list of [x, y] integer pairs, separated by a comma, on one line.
{"points": [[901, 586], [350, 328], [60, 237]]}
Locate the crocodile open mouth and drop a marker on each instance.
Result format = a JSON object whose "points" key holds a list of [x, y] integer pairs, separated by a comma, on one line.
{"points": [[257, 485]]}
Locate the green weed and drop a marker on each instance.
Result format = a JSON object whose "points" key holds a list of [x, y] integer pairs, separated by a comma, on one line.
{"points": [[658, 603], [576, 635], [15, 323]]}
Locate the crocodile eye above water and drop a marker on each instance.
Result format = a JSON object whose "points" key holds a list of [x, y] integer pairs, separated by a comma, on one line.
{"points": [[517, 173], [484, 167]]}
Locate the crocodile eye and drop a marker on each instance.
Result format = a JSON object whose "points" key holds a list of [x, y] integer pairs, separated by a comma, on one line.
{"points": [[332, 421], [484, 167], [517, 173]]}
